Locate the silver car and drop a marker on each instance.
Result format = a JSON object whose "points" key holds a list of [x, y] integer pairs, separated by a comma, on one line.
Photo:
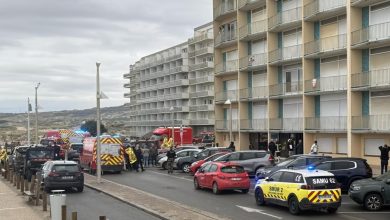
{"points": [[183, 153], [251, 160]]}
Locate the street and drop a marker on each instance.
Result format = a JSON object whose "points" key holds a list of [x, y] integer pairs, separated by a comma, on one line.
{"points": [[91, 204], [233, 205]]}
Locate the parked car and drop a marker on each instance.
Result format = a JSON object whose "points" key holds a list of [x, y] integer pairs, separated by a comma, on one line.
{"points": [[183, 153], [74, 151], [222, 176], [34, 158], [59, 174], [252, 160], [184, 163], [346, 170], [197, 164], [17, 158], [293, 162], [372, 193], [163, 152]]}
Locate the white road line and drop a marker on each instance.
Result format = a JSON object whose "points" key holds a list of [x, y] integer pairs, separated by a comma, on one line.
{"points": [[248, 209], [170, 175], [5, 209], [363, 212]]}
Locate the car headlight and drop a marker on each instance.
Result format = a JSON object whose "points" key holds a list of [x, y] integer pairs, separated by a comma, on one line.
{"points": [[355, 188]]}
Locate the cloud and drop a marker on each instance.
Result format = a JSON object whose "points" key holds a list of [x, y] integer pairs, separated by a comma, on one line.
{"points": [[57, 43]]}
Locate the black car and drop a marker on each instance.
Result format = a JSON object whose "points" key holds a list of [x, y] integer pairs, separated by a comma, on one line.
{"points": [[345, 169], [59, 174], [184, 163], [293, 162], [34, 158], [16, 160], [163, 152]]}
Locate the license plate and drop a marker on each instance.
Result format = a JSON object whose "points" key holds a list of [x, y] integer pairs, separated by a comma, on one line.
{"points": [[325, 196], [236, 179], [67, 177]]}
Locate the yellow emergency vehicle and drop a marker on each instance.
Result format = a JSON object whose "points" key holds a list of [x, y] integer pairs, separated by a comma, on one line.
{"points": [[300, 190]]}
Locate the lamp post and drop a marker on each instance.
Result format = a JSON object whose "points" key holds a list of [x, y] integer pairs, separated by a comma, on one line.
{"points": [[228, 102], [36, 112], [28, 122], [98, 160], [173, 125]]}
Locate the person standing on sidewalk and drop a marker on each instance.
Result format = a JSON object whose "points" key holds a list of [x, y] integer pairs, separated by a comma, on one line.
{"points": [[314, 148], [171, 154], [153, 155], [299, 148], [146, 154], [384, 158], [291, 147], [139, 155]]}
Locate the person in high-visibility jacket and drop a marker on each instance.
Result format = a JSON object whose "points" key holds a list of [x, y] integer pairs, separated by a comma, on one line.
{"points": [[3, 155]]}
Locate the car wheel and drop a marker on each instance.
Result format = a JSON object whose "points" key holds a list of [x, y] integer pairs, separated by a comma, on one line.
{"points": [[196, 184], [80, 189], [373, 202], [332, 210], [259, 196], [186, 168], [293, 205], [245, 191], [215, 188], [164, 165]]}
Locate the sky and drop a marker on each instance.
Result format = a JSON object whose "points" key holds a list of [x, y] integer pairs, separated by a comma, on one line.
{"points": [[58, 42]]}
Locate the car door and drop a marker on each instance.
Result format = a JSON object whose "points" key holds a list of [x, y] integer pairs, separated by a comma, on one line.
{"points": [[386, 186], [343, 170], [270, 186], [209, 176], [233, 157], [247, 161], [202, 175]]}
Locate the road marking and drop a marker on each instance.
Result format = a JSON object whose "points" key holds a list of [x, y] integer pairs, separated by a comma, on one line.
{"points": [[364, 212], [12, 208], [170, 175], [248, 209]]}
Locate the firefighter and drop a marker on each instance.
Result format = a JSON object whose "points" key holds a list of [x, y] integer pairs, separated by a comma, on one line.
{"points": [[3, 155], [171, 154]]}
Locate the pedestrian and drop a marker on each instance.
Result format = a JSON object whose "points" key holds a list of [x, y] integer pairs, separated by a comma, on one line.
{"points": [[57, 150], [299, 148], [171, 154], [146, 154], [272, 148], [216, 145], [140, 157], [291, 147], [251, 147], [232, 147], [153, 155], [3, 155], [384, 158], [314, 148]]}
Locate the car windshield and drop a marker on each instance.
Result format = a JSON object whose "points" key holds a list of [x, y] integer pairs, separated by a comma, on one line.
{"points": [[232, 169], [66, 168], [77, 147], [40, 154], [382, 177], [284, 163]]}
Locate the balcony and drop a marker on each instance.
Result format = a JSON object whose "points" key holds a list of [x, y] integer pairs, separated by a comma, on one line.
{"points": [[255, 93], [253, 62], [225, 95], [173, 96], [127, 95], [285, 54], [373, 123], [286, 124], [254, 30], [204, 79], [199, 108], [364, 3], [254, 124], [224, 125], [196, 39], [246, 5], [374, 79], [330, 84], [126, 85], [285, 19], [320, 9], [204, 93], [373, 36], [328, 46], [225, 39], [202, 121], [127, 76], [229, 67], [191, 54], [326, 123], [200, 66], [204, 51], [178, 69], [285, 89], [225, 9]]}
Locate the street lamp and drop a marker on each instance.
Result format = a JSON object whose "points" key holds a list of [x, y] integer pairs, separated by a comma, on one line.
{"points": [[173, 125], [98, 161], [228, 102], [36, 112]]}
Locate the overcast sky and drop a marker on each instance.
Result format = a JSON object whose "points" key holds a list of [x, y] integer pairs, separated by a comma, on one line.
{"points": [[57, 43]]}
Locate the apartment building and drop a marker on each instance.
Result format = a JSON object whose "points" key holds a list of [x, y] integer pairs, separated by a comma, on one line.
{"points": [[174, 86], [303, 69]]}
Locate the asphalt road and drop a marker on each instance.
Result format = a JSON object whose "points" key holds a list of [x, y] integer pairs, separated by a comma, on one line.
{"points": [[91, 204], [234, 205]]}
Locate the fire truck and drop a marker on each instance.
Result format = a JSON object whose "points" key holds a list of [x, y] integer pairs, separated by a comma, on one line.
{"points": [[182, 135]]}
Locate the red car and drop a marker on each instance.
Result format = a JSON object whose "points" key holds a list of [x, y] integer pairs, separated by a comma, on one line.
{"points": [[195, 165], [222, 176]]}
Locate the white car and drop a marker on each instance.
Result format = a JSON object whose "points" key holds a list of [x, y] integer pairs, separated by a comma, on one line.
{"points": [[183, 153]]}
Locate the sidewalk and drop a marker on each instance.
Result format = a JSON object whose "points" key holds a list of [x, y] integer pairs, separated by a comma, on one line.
{"points": [[14, 206], [152, 204]]}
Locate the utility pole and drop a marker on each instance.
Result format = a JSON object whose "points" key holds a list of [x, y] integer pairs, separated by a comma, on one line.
{"points": [[28, 121], [36, 113], [98, 160]]}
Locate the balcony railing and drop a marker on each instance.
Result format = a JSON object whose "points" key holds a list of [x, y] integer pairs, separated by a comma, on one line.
{"points": [[326, 84], [202, 121], [198, 66], [206, 36], [127, 75], [286, 89], [285, 17], [327, 44], [248, 3], [126, 85], [230, 66], [260, 92], [204, 50], [285, 54], [225, 37], [254, 124], [204, 79], [225, 8], [126, 95], [254, 28], [326, 123], [375, 123], [204, 93], [196, 108], [321, 6], [373, 78], [225, 125], [377, 32], [253, 61], [364, 3], [286, 124], [225, 95]]}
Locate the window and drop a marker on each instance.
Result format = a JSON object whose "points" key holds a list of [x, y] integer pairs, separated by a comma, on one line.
{"points": [[182, 154], [66, 168], [325, 166], [313, 160], [192, 153], [343, 165], [288, 177], [247, 156], [298, 163], [232, 169], [213, 168], [206, 168], [260, 154], [276, 176], [233, 157]]}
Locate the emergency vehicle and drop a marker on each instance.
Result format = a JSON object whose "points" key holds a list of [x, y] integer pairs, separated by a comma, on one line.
{"points": [[111, 154], [300, 190], [182, 135], [54, 137]]}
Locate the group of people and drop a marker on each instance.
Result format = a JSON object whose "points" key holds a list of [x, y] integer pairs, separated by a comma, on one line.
{"points": [[139, 158]]}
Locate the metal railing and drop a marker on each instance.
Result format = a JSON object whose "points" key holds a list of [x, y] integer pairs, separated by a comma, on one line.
{"points": [[227, 7], [372, 78], [363, 3], [204, 93], [126, 75], [204, 50], [126, 95], [286, 124], [198, 66], [285, 53], [225, 95], [318, 6], [242, 3], [227, 67], [126, 85], [379, 123], [286, 89], [207, 107], [253, 28], [204, 79], [374, 32], [253, 61], [260, 92], [225, 125], [285, 17], [326, 44], [326, 123], [326, 84], [202, 121], [225, 37], [254, 124], [206, 36]]}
